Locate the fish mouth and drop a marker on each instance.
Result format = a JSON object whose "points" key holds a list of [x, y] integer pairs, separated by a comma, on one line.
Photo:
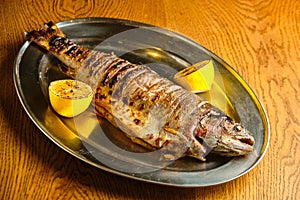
{"points": [[245, 143], [246, 140], [235, 146]]}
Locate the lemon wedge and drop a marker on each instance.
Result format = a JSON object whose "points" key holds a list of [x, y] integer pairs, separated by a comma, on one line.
{"points": [[196, 78], [70, 97]]}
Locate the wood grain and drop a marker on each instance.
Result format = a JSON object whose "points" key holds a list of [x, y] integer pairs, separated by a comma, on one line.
{"points": [[259, 38]]}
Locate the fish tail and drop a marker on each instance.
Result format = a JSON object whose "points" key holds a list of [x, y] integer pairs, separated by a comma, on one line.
{"points": [[52, 39], [45, 35]]}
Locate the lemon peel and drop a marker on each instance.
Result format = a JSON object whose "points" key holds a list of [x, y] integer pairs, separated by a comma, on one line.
{"points": [[196, 78], [70, 97]]}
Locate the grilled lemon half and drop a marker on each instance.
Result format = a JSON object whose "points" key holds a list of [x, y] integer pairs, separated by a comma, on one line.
{"points": [[196, 78], [70, 97]]}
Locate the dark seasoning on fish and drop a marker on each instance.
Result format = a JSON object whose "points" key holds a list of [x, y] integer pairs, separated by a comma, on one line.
{"points": [[151, 110]]}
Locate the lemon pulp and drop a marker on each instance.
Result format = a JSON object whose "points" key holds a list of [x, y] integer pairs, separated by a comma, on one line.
{"points": [[70, 97], [196, 78]]}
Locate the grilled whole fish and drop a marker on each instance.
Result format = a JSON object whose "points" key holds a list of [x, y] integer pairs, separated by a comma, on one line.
{"points": [[151, 110]]}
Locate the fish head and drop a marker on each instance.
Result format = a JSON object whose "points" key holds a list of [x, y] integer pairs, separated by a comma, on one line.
{"points": [[232, 139]]}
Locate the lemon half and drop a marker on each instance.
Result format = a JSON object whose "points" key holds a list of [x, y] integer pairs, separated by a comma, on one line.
{"points": [[196, 78], [70, 97]]}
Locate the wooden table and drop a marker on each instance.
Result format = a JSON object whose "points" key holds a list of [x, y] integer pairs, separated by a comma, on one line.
{"points": [[260, 39]]}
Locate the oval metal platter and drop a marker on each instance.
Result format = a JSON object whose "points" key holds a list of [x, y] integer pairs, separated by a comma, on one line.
{"points": [[98, 143]]}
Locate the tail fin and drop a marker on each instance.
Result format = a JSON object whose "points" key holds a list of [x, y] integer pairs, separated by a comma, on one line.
{"points": [[45, 35], [52, 39]]}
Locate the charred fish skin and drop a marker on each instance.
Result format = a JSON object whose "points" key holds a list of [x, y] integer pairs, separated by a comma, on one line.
{"points": [[151, 110]]}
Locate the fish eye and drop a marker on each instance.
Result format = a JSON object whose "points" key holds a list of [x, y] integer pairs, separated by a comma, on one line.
{"points": [[237, 128]]}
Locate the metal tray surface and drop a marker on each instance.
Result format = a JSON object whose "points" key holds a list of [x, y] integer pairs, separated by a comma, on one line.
{"points": [[98, 143]]}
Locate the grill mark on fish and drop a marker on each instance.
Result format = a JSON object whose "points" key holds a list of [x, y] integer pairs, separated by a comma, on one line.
{"points": [[102, 61], [71, 51], [120, 72], [113, 72], [151, 110], [131, 73]]}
